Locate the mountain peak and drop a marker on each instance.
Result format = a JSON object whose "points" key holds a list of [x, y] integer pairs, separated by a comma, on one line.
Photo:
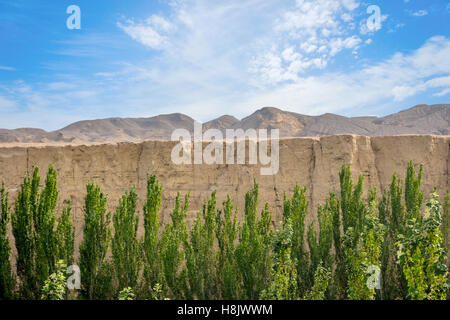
{"points": [[420, 119]]}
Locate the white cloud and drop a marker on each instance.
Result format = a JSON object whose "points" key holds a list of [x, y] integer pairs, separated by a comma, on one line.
{"points": [[151, 33], [398, 78], [420, 13], [234, 57], [6, 68], [315, 29]]}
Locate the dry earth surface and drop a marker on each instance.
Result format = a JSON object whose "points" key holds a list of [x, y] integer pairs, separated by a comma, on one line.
{"points": [[311, 162]]}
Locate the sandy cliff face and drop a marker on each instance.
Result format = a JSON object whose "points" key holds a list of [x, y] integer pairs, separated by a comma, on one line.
{"points": [[312, 162]]}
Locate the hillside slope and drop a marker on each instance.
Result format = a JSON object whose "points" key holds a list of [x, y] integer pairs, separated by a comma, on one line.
{"points": [[422, 119]]}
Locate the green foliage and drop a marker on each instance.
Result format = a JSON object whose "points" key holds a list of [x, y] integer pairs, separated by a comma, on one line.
{"points": [[283, 285], [126, 248], [322, 278], [172, 254], [95, 273], [337, 256], [253, 251], [65, 235], [351, 214], [200, 254], [394, 214], [7, 280], [422, 255], [364, 257], [127, 294], [296, 210], [320, 248], [151, 237], [413, 195], [54, 287], [34, 231], [227, 275], [157, 293], [445, 227]]}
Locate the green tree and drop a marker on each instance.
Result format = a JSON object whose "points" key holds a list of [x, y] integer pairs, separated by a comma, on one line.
{"points": [[422, 255], [200, 254], [320, 247], [33, 225], [126, 247], [152, 268], [296, 210], [227, 269], [445, 227], [322, 278], [95, 272], [283, 285], [351, 214], [7, 280], [364, 258], [253, 251], [413, 195], [65, 234], [44, 224], [171, 250]]}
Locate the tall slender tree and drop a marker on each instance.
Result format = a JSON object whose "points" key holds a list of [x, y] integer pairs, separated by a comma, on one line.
{"points": [[65, 234], [7, 280], [200, 254], [253, 250], [172, 254], [296, 210], [126, 247], [422, 255], [152, 267], [34, 231], [95, 245], [413, 195], [227, 269]]}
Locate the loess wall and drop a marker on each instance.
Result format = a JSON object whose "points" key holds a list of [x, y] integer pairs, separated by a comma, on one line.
{"points": [[312, 162]]}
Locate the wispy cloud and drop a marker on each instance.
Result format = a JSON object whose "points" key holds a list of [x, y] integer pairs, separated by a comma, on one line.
{"points": [[5, 68], [420, 13], [208, 58]]}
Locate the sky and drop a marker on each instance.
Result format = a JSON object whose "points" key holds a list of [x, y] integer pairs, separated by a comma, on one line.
{"points": [[207, 58]]}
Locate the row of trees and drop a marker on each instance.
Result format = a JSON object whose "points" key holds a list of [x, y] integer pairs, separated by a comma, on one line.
{"points": [[374, 247]]}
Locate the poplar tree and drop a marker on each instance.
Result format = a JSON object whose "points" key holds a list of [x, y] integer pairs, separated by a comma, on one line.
{"points": [[413, 195], [7, 280], [65, 234], [253, 251], [351, 215], [34, 232], [172, 254], [227, 269], [152, 267], [296, 210], [422, 255], [445, 228], [320, 246], [363, 258], [126, 247], [94, 247], [200, 254], [283, 285], [322, 278]]}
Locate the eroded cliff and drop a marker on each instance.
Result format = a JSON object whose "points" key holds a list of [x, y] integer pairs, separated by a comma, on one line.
{"points": [[312, 162]]}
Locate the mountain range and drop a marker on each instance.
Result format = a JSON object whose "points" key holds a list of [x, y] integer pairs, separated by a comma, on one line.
{"points": [[421, 119]]}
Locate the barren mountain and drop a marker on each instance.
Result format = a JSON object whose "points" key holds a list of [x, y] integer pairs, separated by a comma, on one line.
{"points": [[421, 119]]}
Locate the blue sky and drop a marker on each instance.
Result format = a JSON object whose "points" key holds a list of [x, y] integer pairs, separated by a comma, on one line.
{"points": [[206, 58]]}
